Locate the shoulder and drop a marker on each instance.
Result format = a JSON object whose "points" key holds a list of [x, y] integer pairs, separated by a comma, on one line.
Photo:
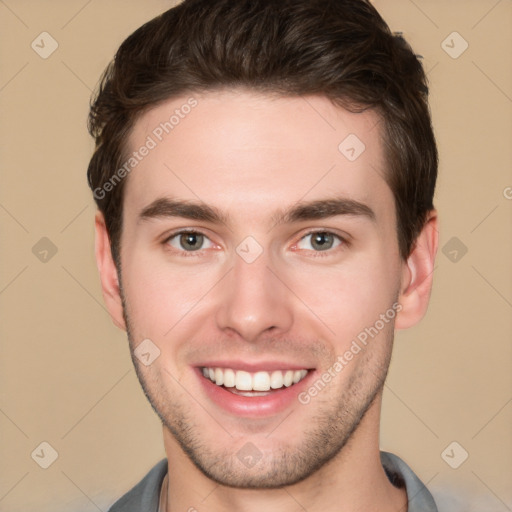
{"points": [[401, 475], [145, 495]]}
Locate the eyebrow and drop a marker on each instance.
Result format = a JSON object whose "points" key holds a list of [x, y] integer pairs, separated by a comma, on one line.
{"points": [[165, 207], [313, 210], [323, 209]]}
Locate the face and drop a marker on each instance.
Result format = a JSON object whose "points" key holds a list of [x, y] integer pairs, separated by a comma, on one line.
{"points": [[262, 263]]}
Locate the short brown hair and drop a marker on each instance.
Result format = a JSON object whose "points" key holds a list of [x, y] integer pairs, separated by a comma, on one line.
{"points": [[340, 49]]}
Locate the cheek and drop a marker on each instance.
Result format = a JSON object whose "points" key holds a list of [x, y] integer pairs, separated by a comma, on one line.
{"points": [[347, 298], [163, 297]]}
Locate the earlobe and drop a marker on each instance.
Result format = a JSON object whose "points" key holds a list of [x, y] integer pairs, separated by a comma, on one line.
{"points": [[417, 275], [108, 272]]}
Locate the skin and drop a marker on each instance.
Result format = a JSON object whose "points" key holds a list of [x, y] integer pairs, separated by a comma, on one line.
{"points": [[252, 157]]}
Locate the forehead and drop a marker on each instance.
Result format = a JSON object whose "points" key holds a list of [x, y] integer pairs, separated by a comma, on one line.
{"points": [[250, 152]]}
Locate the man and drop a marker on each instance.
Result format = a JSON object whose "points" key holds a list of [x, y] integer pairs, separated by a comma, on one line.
{"points": [[264, 172]]}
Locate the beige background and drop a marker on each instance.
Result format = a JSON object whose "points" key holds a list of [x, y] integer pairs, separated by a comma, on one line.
{"points": [[66, 375]]}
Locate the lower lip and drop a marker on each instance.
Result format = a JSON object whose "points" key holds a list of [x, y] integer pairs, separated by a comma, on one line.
{"points": [[256, 406]]}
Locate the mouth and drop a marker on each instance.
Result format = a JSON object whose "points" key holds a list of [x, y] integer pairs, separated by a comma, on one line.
{"points": [[253, 392]]}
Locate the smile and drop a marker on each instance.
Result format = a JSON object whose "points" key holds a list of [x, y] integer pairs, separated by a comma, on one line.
{"points": [[253, 390], [260, 381]]}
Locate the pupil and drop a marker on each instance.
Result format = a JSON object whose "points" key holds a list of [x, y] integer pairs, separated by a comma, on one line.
{"points": [[322, 241], [191, 241]]}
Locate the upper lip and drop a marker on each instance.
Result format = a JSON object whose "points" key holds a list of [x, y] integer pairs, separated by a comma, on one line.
{"points": [[253, 366]]}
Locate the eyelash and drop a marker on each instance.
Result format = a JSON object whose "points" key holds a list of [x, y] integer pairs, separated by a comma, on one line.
{"points": [[344, 243]]}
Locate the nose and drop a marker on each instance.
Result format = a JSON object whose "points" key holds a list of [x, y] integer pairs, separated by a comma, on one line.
{"points": [[253, 302]]}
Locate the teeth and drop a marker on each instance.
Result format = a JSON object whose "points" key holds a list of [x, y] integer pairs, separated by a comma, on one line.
{"points": [[276, 380], [229, 378], [288, 378], [259, 381], [219, 377], [243, 381]]}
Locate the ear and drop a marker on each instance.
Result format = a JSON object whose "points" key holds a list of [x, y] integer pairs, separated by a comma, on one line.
{"points": [[417, 275], [108, 272]]}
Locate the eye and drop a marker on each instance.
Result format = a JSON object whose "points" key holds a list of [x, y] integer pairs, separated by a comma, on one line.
{"points": [[189, 241], [319, 241]]}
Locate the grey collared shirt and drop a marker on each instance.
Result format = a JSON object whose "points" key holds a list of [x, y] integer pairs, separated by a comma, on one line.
{"points": [[145, 496]]}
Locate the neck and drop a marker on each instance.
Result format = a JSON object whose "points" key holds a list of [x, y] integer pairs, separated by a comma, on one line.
{"points": [[353, 480]]}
